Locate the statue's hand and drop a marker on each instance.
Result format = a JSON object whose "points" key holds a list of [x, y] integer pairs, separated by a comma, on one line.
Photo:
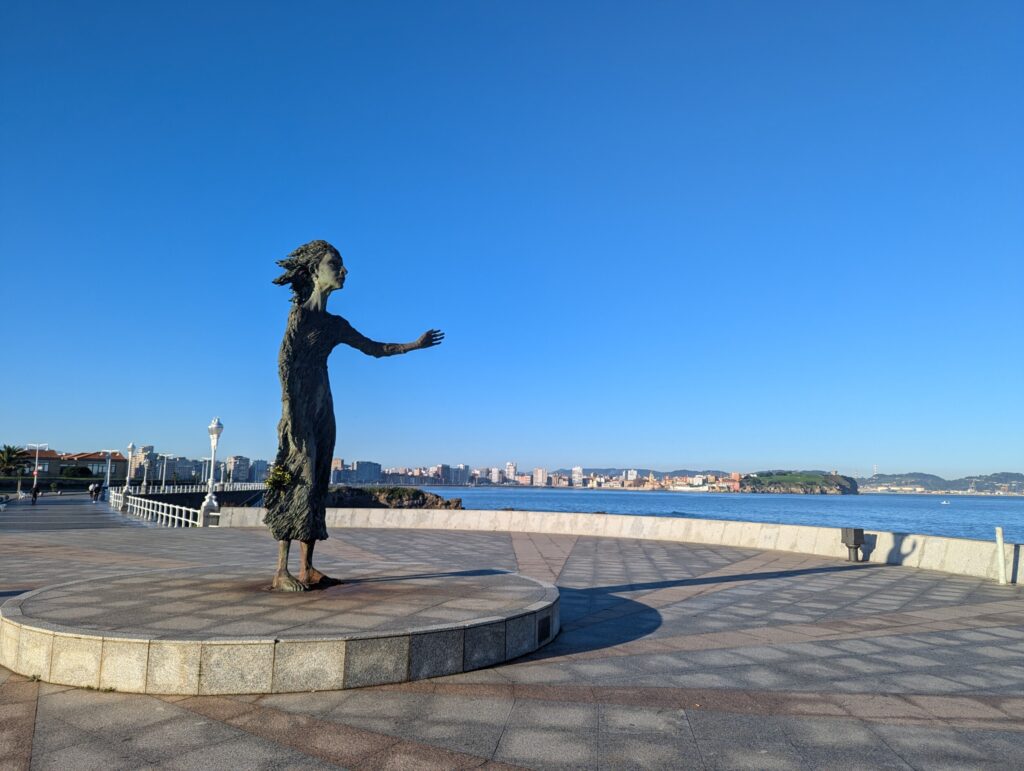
{"points": [[430, 338]]}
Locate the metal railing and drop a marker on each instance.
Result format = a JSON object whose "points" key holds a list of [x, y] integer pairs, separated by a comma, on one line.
{"points": [[178, 488], [135, 503], [137, 489], [162, 513]]}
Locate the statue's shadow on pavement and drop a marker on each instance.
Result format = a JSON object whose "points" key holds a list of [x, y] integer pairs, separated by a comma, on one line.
{"points": [[600, 617], [446, 574]]}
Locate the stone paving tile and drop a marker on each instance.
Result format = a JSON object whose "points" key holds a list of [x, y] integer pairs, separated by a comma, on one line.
{"points": [[543, 747], [963, 707], [644, 751], [356, 606], [477, 737], [930, 748], [488, 549], [861, 759], [246, 753], [93, 755], [98, 712], [879, 706], [673, 655], [180, 734], [319, 704], [18, 698], [53, 735], [739, 741], [555, 715], [542, 556], [405, 755], [336, 741], [616, 718]]}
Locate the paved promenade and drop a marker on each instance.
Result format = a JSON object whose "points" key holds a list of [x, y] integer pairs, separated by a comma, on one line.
{"points": [[73, 511], [671, 656]]}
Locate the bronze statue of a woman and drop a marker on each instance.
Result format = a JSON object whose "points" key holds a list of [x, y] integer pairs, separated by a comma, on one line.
{"points": [[296, 499]]}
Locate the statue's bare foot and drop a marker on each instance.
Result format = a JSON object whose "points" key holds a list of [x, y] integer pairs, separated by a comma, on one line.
{"points": [[286, 582], [313, 578]]}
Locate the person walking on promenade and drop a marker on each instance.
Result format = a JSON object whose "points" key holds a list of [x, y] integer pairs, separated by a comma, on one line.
{"points": [[35, 494]]}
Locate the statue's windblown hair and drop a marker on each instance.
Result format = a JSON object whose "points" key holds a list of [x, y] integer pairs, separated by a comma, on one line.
{"points": [[300, 268]]}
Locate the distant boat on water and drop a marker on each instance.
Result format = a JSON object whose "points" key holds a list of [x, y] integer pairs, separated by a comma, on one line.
{"points": [[943, 503]]}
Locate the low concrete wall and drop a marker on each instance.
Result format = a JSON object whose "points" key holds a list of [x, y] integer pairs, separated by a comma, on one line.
{"points": [[961, 556]]}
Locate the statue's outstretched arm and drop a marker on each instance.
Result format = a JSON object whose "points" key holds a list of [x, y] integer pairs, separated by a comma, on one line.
{"points": [[349, 335]]}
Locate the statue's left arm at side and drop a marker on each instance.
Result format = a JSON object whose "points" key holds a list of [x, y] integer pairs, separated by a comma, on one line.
{"points": [[343, 332]]}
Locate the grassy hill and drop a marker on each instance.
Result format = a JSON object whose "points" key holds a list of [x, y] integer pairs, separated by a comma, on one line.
{"points": [[799, 482]]}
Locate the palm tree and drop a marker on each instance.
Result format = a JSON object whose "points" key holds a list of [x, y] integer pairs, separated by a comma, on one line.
{"points": [[10, 459]]}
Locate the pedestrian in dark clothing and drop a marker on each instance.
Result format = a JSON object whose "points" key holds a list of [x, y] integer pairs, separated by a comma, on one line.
{"points": [[35, 494]]}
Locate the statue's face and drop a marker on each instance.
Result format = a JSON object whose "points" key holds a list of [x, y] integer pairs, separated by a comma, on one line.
{"points": [[331, 273]]}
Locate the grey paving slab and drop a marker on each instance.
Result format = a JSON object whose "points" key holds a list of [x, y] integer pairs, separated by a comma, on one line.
{"points": [[92, 755], [673, 656], [644, 751], [544, 747], [227, 594], [62, 512], [53, 735], [245, 753]]}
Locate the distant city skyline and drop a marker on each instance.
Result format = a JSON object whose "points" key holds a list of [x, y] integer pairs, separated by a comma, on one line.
{"points": [[509, 467], [674, 235]]}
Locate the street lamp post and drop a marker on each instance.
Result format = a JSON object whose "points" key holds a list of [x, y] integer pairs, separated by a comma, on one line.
{"points": [[35, 468], [106, 482], [210, 504], [145, 476], [163, 478], [128, 468]]}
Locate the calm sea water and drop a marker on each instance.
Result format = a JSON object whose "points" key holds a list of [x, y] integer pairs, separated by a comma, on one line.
{"points": [[963, 517]]}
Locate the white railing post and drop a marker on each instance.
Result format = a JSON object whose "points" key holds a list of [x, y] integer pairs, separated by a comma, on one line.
{"points": [[1001, 554], [160, 512]]}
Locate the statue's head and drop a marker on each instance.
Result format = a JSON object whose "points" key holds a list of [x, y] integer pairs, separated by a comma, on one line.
{"points": [[316, 265]]}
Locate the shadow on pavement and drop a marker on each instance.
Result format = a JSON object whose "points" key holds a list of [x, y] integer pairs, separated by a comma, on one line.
{"points": [[648, 586], [479, 572], [598, 617]]}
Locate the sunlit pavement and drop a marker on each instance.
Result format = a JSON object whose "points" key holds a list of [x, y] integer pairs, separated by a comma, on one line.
{"points": [[671, 656]]}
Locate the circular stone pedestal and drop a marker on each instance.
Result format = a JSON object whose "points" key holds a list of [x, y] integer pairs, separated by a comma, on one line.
{"points": [[205, 631]]}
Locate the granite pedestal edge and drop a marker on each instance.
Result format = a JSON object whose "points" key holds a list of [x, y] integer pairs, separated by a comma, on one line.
{"points": [[64, 655]]}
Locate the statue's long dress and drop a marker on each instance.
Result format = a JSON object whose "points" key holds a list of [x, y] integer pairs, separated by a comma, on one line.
{"points": [[306, 432]]}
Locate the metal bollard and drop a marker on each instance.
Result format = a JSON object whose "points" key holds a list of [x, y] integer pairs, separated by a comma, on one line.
{"points": [[1001, 553], [853, 539]]}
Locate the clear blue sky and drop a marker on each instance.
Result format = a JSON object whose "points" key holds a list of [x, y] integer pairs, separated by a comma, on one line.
{"points": [[731, 234]]}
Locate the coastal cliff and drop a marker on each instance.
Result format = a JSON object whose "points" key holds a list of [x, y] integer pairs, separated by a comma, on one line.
{"points": [[799, 483]]}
